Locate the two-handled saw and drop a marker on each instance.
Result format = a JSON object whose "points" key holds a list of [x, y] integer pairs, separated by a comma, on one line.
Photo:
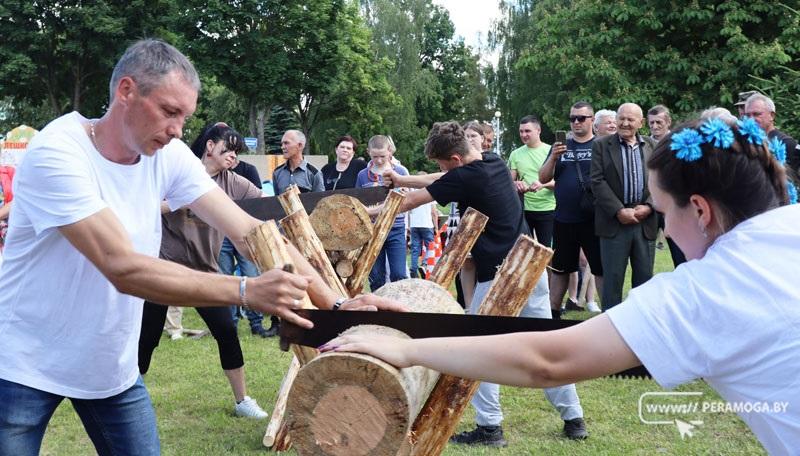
{"points": [[328, 324]]}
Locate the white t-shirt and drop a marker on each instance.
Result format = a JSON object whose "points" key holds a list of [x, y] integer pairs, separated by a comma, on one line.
{"points": [[64, 328], [731, 318], [420, 216]]}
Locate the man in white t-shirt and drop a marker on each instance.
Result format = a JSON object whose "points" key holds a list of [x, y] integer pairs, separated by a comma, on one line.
{"points": [[81, 254]]}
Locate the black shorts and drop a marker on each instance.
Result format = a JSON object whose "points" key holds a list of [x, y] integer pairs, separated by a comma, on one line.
{"points": [[568, 239]]}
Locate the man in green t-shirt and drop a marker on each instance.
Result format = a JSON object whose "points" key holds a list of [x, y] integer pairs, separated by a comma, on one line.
{"points": [[540, 204]]}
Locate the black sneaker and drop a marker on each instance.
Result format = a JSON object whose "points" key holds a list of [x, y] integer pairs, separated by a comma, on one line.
{"points": [[575, 429], [482, 435], [572, 305], [259, 331]]}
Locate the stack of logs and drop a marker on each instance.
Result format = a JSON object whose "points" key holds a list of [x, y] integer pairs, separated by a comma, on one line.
{"points": [[354, 404]]}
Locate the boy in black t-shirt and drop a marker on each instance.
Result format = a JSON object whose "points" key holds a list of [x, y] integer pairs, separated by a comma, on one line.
{"points": [[482, 181]]}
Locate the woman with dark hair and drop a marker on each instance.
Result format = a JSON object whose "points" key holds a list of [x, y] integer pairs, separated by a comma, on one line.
{"points": [[191, 242], [343, 172], [730, 315]]}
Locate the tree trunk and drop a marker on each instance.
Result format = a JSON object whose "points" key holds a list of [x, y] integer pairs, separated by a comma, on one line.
{"points": [[349, 404], [262, 115], [383, 224], [276, 419], [252, 118], [469, 229], [508, 294], [268, 250]]}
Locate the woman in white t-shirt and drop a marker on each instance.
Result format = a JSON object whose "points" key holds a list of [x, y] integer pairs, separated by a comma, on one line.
{"points": [[730, 315]]}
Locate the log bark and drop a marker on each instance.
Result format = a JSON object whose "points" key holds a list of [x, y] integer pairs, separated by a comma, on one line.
{"points": [[383, 224], [268, 250], [508, 294], [469, 229], [353, 404], [276, 419], [290, 200], [341, 222], [298, 229]]}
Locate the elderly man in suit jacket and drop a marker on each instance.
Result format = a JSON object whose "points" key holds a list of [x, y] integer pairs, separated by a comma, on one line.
{"points": [[624, 217]]}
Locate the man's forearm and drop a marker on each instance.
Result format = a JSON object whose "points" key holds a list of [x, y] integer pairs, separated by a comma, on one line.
{"points": [[547, 170]]}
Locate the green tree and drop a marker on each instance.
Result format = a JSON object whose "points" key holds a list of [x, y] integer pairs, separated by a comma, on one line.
{"points": [[686, 55], [59, 55]]}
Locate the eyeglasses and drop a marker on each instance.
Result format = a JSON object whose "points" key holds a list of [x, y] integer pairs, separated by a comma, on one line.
{"points": [[579, 119]]}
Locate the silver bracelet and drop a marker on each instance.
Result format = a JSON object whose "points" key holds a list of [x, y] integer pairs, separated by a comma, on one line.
{"points": [[338, 303], [243, 292]]}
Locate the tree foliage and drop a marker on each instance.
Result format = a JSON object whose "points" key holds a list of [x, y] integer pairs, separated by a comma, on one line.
{"points": [[59, 55], [686, 55]]}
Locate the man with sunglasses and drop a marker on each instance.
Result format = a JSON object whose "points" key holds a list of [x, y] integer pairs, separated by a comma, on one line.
{"points": [[624, 218], [762, 109], [573, 229]]}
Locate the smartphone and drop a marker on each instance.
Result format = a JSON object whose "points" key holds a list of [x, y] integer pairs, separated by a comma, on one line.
{"points": [[561, 136]]}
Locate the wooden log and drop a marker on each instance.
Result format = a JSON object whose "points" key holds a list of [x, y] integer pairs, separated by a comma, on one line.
{"points": [[298, 229], [354, 404], [276, 419], [383, 224], [341, 222], [290, 200], [509, 292], [268, 251], [346, 263], [469, 229]]}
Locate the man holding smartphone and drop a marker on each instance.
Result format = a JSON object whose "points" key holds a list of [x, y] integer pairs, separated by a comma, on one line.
{"points": [[569, 165]]}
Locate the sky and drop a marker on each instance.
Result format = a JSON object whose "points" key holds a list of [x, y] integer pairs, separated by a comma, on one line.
{"points": [[472, 18]]}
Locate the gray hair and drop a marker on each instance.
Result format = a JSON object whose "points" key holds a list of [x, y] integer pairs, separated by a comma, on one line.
{"points": [[298, 136], [147, 62], [602, 114], [719, 113], [763, 98]]}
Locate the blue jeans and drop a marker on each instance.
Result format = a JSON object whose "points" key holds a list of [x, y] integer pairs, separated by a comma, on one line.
{"points": [[419, 237], [118, 425], [229, 261], [395, 250]]}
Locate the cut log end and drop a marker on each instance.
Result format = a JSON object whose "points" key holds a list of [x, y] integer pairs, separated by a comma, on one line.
{"points": [[348, 405], [341, 222], [344, 268]]}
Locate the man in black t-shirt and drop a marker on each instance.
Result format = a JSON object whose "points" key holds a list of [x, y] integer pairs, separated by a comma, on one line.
{"points": [[573, 229], [482, 181]]}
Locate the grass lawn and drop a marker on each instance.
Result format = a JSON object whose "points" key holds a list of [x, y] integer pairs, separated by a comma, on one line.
{"points": [[194, 405]]}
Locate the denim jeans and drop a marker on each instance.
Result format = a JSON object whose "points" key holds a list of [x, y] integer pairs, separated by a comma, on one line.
{"points": [[419, 237], [229, 261], [118, 425], [395, 250]]}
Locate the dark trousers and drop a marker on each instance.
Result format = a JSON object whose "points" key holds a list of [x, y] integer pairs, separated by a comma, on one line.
{"points": [[218, 320], [541, 225], [628, 244]]}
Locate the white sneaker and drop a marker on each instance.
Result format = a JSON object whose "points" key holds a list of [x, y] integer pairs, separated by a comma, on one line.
{"points": [[249, 408], [176, 336], [592, 306]]}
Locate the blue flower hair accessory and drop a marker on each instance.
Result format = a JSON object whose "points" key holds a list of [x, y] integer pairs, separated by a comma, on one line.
{"points": [[750, 129], [792, 190], [717, 132], [686, 145], [778, 149]]}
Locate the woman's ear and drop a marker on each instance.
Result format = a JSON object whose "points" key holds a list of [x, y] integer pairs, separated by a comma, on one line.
{"points": [[704, 212], [209, 146]]}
